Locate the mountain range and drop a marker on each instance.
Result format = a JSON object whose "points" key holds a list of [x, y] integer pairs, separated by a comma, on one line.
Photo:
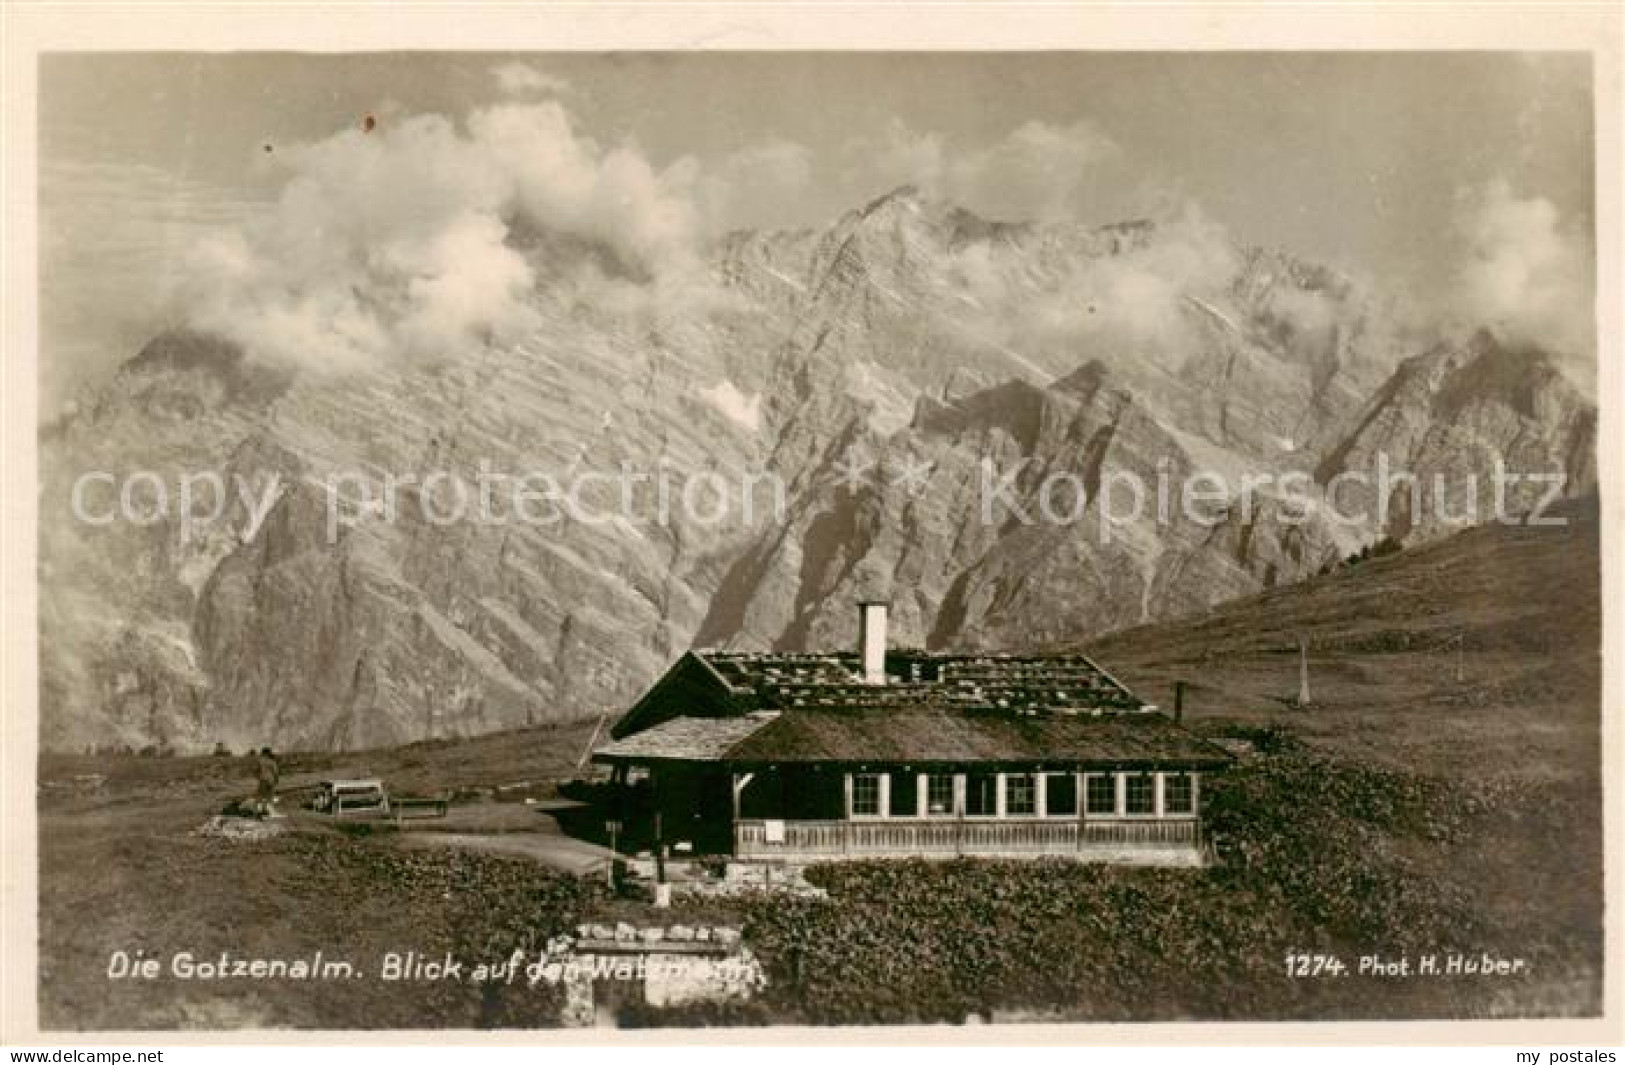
{"points": [[910, 341]]}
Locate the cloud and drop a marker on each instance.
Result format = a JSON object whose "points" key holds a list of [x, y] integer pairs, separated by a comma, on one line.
{"points": [[525, 79], [1037, 171], [1303, 310], [1138, 299], [899, 156], [1526, 275], [752, 187], [426, 235], [429, 234], [113, 239], [563, 181], [1134, 302]]}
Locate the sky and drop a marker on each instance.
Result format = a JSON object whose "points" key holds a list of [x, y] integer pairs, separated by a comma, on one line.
{"points": [[181, 185]]}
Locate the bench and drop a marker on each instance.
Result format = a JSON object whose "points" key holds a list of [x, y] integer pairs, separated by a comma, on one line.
{"points": [[418, 807]]}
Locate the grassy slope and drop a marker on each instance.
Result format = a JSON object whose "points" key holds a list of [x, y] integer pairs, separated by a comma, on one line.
{"points": [[1404, 811], [540, 753], [1515, 611], [120, 869]]}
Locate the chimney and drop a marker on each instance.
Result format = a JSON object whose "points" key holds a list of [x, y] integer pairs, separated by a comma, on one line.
{"points": [[872, 641]]}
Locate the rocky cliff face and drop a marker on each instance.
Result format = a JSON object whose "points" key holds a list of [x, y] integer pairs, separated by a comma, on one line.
{"points": [[1452, 416], [887, 371]]}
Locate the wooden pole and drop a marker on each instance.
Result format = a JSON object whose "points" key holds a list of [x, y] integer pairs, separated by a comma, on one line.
{"points": [[660, 849], [959, 813], [1080, 785], [596, 729], [1303, 672], [660, 830]]}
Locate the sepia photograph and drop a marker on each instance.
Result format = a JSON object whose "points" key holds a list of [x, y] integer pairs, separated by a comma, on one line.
{"points": [[545, 539]]}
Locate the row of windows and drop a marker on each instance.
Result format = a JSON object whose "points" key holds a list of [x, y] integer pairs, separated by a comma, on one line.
{"points": [[1021, 794]]}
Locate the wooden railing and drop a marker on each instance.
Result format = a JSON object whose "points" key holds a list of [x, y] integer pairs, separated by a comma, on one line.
{"points": [[1179, 832], [892, 837]]}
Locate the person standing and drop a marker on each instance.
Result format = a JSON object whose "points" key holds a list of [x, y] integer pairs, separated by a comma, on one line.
{"points": [[266, 772]]}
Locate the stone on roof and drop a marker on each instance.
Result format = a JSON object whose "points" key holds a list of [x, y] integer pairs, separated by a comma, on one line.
{"points": [[945, 708], [1008, 681]]}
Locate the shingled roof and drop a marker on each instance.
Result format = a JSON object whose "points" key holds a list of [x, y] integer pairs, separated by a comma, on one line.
{"points": [[744, 708], [918, 736], [683, 739], [952, 735]]}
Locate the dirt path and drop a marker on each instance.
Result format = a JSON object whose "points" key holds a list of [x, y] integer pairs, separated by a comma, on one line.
{"points": [[553, 849]]}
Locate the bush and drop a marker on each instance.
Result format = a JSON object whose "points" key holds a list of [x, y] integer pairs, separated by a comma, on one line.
{"points": [[1315, 855]]}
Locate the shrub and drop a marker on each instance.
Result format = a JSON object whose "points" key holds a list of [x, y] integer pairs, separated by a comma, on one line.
{"points": [[1315, 855]]}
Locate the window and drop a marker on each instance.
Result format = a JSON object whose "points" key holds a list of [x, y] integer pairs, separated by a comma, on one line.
{"points": [[866, 794], [939, 795], [1061, 795], [1102, 794], [1020, 794], [904, 787], [1139, 796], [1177, 794], [979, 792]]}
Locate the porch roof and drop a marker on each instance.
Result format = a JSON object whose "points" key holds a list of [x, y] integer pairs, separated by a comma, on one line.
{"points": [[684, 739], [952, 736]]}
